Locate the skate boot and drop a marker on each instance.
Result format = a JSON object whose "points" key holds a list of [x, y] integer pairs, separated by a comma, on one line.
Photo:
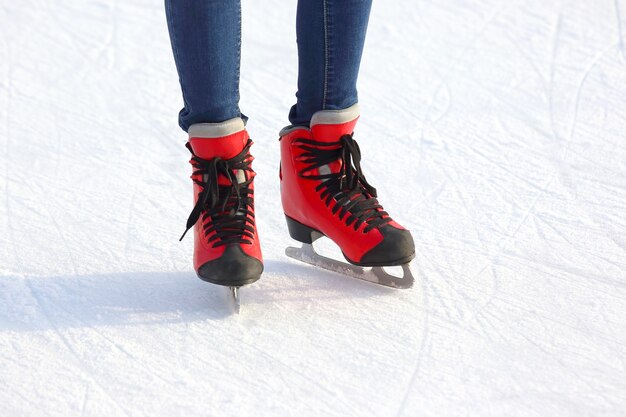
{"points": [[324, 193], [226, 245]]}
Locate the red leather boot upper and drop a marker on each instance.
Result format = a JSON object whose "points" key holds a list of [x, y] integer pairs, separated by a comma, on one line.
{"points": [[223, 182], [306, 199]]}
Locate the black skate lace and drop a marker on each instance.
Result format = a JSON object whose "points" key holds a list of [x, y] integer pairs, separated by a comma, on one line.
{"points": [[347, 191], [228, 206]]}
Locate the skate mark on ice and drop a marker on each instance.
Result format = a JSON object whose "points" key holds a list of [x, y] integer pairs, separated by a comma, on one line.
{"points": [[137, 179], [74, 356], [234, 339], [448, 302], [8, 97], [71, 319], [464, 197], [555, 358], [425, 312], [509, 238], [588, 256], [83, 406], [555, 47], [447, 73], [59, 230], [546, 85], [542, 314], [620, 32], [578, 95]]}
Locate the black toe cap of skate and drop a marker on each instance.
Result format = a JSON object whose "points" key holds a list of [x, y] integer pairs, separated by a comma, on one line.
{"points": [[397, 248], [234, 268]]}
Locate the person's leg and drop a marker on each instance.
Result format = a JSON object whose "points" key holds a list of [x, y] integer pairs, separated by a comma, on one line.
{"points": [[331, 34], [206, 41]]}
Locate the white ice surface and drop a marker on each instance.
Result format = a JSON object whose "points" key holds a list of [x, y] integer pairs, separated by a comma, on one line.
{"points": [[494, 130]]}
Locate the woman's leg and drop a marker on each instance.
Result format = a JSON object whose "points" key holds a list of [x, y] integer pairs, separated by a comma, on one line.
{"points": [[331, 34], [206, 41]]}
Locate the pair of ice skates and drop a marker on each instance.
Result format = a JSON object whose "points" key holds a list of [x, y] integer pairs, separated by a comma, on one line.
{"points": [[324, 193]]}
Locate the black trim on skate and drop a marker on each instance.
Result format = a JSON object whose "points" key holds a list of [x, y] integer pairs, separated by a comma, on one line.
{"points": [[395, 241], [233, 269], [301, 232]]}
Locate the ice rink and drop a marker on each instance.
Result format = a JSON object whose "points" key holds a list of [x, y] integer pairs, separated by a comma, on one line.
{"points": [[495, 130]]}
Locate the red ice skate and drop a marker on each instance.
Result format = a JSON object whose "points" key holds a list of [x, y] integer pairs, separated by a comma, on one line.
{"points": [[226, 245], [324, 193]]}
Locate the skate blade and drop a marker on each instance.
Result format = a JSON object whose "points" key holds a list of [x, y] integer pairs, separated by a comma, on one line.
{"points": [[234, 295], [375, 275]]}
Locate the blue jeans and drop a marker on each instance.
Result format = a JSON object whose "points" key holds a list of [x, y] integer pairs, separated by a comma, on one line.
{"points": [[206, 41]]}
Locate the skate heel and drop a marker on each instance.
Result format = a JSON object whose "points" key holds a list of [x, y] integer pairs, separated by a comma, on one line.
{"points": [[300, 232]]}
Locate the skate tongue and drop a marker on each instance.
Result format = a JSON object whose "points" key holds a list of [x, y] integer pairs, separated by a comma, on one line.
{"points": [[330, 125], [224, 140]]}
